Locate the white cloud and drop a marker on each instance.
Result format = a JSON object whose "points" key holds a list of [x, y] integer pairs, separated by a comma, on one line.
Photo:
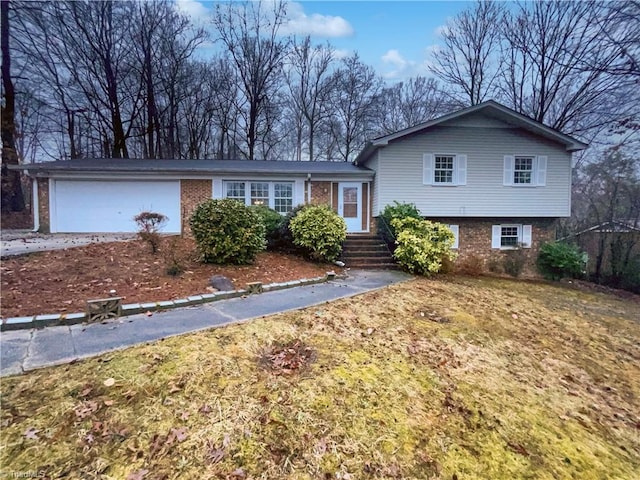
{"points": [[315, 24], [193, 9], [442, 30], [396, 67], [393, 57], [340, 53]]}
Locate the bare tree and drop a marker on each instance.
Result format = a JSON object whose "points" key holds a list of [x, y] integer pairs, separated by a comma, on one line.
{"points": [[409, 103], [309, 84], [619, 30], [175, 42], [608, 192], [225, 96], [353, 104], [12, 198], [555, 67], [467, 60], [251, 37]]}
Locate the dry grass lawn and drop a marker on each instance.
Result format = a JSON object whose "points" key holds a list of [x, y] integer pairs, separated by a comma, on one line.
{"points": [[454, 378]]}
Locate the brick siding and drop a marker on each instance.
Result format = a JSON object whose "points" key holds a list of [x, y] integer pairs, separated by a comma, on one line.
{"points": [[43, 205], [474, 241], [192, 193], [320, 193]]}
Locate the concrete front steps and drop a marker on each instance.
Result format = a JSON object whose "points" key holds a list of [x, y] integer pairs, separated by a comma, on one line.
{"points": [[367, 251]]}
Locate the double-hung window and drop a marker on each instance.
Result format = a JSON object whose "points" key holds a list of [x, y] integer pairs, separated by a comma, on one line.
{"points": [[235, 190], [276, 195], [283, 197], [260, 193], [525, 170], [444, 169], [511, 236]]}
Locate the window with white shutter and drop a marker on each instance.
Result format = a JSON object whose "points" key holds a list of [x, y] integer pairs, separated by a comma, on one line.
{"points": [[507, 237], [444, 169], [525, 170]]}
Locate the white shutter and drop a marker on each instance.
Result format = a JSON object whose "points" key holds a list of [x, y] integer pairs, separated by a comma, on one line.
{"points": [[461, 169], [496, 233], [509, 166], [427, 169], [526, 236], [217, 189], [455, 230], [541, 170], [298, 192]]}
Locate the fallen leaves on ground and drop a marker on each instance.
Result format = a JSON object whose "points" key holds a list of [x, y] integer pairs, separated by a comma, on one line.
{"points": [[61, 281]]}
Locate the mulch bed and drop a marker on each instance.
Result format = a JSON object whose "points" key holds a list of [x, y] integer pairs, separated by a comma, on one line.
{"points": [[62, 281]]}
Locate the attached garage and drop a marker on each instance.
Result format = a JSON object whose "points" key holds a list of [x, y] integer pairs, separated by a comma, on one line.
{"points": [[103, 195], [92, 206]]}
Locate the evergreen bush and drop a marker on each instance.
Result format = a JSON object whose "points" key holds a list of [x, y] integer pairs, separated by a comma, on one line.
{"points": [[319, 231], [283, 238], [392, 212], [227, 232], [272, 221], [422, 245], [558, 260]]}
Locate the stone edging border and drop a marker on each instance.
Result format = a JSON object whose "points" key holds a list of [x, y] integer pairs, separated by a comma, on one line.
{"points": [[54, 319]]}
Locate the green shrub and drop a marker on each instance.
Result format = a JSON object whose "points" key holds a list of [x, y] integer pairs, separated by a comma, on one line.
{"points": [[558, 260], [392, 212], [422, 245], [631, 275], [283, 238], [319, 231], [513, 261], [271, 220], [149, 226], [226, 231]]}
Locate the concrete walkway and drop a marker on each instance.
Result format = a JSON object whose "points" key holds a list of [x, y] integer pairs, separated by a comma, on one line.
{"points": [[24, 350]]}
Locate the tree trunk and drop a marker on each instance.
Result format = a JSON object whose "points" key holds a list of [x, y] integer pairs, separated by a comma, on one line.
{"points": [[12, 198]]}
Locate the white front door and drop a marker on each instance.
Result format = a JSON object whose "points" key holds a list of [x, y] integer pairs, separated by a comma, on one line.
{"points": [[350, 205]]}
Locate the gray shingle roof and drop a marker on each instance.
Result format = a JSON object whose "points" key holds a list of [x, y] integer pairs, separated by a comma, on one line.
{"points": [[177, 167]]}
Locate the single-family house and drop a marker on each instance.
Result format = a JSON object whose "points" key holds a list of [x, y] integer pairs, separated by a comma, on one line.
{"points": [[498, 178]]}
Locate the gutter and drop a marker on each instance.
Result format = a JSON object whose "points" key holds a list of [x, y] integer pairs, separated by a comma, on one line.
{"points": [[35, 206]]}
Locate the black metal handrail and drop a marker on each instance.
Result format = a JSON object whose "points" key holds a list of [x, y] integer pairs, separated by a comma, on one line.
{"points": [[385, 231]]}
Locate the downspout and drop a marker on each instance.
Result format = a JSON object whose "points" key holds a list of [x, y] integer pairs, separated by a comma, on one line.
{"points": [[308, 189], [35, 207]]}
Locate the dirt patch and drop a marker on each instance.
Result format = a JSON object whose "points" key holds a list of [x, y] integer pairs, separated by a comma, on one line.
{"points": [[62, 281]]}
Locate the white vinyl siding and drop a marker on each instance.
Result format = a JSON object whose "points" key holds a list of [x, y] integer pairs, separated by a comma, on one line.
{"points": [[525, 170], [403, 166], [444, 169], [507, 237]]}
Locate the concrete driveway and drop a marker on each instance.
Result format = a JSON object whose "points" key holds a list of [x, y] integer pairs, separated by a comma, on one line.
{"points": [[20, 242]]}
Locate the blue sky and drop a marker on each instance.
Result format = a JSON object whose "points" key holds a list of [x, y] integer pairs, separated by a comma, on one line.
{"points": [[395, 37]]}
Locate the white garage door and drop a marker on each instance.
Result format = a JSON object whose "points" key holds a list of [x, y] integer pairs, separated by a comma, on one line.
{"points": [[109, 206]]}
